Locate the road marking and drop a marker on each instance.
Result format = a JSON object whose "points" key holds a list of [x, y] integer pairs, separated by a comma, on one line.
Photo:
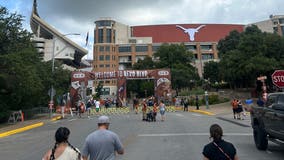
{"points": [[195, 114], [190, 134], [72, 119], [179, 115]]}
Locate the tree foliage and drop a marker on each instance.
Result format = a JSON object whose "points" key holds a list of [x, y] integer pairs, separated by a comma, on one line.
{"points": [[253, 53], [24, 78], [175, 57], [212, 72]]}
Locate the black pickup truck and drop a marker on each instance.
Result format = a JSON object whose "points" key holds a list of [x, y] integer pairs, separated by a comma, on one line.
{"points": [[268, 121]]}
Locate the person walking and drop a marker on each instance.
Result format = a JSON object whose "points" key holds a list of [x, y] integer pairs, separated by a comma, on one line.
{"points": [[219, 149], [97, 104], [102, 144], [162, 110], [62, 149], [234, 104], [185, 104], [197, 102], [144, 110]]}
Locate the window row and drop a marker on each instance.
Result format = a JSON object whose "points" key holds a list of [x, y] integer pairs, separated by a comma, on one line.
{"points": [[105, 49], [106, 58], [122, 49], [105, 66], [101, 36]]}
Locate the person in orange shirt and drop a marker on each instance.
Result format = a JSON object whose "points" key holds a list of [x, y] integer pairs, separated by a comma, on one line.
{"points": [[155, 110], [234, 107]]}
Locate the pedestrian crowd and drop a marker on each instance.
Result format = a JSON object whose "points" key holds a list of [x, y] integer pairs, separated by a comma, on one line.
{"points": [[104, 144]]}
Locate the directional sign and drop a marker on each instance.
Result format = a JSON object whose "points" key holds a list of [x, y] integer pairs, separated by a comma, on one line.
{"points": [[278, 78]]}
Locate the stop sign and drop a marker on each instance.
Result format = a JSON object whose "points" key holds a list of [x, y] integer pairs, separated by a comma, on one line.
{"points": [[278, 78]]}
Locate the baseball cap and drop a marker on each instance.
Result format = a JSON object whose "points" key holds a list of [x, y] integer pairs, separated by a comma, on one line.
{"points": [[103, 119]]}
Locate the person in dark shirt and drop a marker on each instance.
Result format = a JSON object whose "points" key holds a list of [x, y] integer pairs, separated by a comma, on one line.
{"points": [[219, 149]]}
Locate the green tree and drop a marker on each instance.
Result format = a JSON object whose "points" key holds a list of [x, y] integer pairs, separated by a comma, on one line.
{"points": [[211, 72], [98, 89], [178, 59], [146, 63], [256, 54], [24, 78], [229, 43], [13, 38]]}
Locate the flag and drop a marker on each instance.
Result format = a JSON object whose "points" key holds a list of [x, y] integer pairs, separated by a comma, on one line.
{"points": [[87, 38]]}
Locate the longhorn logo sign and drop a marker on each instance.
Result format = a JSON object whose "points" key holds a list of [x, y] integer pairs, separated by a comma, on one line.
{"points": [[190, 31]]}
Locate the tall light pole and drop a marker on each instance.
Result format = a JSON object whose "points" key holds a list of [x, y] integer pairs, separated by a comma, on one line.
{"points": [[52, 91]]}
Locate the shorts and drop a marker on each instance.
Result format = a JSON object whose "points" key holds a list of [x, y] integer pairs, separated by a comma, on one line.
{"points": [[97, 109], [162, 112]]}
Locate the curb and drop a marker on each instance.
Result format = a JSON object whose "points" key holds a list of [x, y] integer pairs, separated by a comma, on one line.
{"points": [[56, 118], [28, 127], [8, 133], [202, 112]]}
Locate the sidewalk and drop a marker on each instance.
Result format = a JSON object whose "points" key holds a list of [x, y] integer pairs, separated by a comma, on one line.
{"points": [[224, 112]]}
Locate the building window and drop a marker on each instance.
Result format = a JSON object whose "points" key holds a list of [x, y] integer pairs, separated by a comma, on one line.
{"points": [[107, 65], [132, 40], [101, 48], [107, 57], [155, 48], [275, 29], [114, 36], [106, 91], [195, 56], [101, 66], [103, 23], [206, 47], [101, 36], [141, 48], [190, 47], [282, 29], [207, 56], [113, 58], [124, 49], [107, 48], [281, 21], [108, 36], [95, 36], [101, 57]]}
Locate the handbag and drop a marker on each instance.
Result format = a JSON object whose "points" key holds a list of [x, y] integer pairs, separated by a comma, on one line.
{"points": [[222, 151]]}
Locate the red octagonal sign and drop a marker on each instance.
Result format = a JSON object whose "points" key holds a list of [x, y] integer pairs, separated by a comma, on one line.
{"points": [[278, 78]]}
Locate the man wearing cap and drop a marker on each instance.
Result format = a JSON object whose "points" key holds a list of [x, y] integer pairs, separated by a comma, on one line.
{"points": [[102, 143]]}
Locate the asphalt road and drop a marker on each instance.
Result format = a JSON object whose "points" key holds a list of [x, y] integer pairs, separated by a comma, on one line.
{"points": [[181, 136]]}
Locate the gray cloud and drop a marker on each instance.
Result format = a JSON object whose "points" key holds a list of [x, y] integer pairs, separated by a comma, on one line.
{"points": [[69, 16]]}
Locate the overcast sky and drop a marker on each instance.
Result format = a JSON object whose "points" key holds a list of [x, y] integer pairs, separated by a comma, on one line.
{"points": [[78, 16]]}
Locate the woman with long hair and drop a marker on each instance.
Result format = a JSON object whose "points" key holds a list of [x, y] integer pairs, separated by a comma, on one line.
{"points": [[62, 149], [219, 149]]}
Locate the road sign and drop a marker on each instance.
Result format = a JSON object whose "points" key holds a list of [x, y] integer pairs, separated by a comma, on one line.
{"points": [[51, 92], [278, 78], [50, 104]]}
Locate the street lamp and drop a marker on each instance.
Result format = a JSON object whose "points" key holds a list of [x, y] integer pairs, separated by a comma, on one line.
{"points": [[52, 91]]}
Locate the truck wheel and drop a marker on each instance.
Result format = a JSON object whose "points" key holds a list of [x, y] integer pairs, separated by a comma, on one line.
{"points": [[260, 138]]}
